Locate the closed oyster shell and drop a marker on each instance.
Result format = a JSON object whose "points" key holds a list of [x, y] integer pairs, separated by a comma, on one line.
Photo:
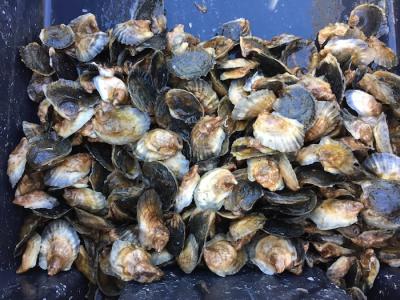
{"points": [[31, 253], [36, 200], [363, 103], [86, 199], [36, 58]]}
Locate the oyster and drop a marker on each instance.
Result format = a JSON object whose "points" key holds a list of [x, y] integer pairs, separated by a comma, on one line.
{"points": [[133, 32], [69, 171], [130, 262], [333, 213], [59, 247], [370, 19], [35, 200], [278, 132], [184, 106], [86, 199], [186, 189], [212, 189], [384, 165], [273, 254], [17, 161], [207, 138], [31, 253], [253, 105], [36, 58], [204, 92], [364, 104], [57, 36], [121, 125], [191, 64], [153, 234], [266, 172], [222, 258]]}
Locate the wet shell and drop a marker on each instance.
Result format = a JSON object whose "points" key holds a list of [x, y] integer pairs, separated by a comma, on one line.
{"points": [[364, 104], [86, 199], [213, 188], [153, 234], [251, 106], [207, 138], [35, 200], [132, 32], [191, 64], [36, 58], [36, 85], [223, 259], [130, 262], [381, 196], [57, 36], [69, 171], [177, 229], [370, 19], [17, 161], [384, 165], [204, 92], [298, 104], [158, 144], [121, 125], [186, 189], [273, 254], [334, 213], [266, 172], [327, 117], [31, 253], [279, 133], [59, 248]]}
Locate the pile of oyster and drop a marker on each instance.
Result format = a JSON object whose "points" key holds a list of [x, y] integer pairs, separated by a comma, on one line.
{"points": [[155, 148]]}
